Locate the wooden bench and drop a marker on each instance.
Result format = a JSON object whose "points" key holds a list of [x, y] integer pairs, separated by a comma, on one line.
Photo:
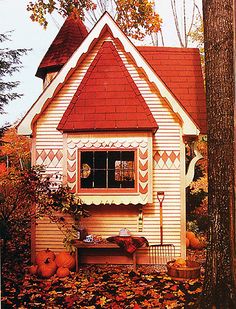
{"points": [[80, 245]]}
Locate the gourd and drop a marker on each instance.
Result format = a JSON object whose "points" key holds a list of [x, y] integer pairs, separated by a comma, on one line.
{"points": [[43, 255], [63, 272], [65, 259], [47, 268]]}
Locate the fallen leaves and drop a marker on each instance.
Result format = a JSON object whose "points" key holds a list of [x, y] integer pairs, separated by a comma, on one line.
{"points": [[95, 287], [113, 287]]}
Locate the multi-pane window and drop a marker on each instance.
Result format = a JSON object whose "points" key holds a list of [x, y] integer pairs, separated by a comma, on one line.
{"points": [[107, 169]]}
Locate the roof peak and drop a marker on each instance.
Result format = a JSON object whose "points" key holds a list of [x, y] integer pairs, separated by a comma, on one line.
{"points": [[68, 39]]}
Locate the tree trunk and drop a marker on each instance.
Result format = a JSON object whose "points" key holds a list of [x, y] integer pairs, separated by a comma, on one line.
{"points": [[219, 284]]}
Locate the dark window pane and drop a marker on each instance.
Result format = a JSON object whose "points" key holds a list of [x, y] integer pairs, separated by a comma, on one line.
{"points": [[100, 159], [112, 182], [113, 156], [87, 157], [127, 184], [99, 179], [127, 156]]}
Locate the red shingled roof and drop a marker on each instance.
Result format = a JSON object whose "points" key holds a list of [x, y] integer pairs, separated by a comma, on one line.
{"points": [[68, 39], [180, 69], [107, 98]]}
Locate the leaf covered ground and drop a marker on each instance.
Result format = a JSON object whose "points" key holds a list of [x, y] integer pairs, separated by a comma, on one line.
{"points": [[104, 287], [109, 286]]}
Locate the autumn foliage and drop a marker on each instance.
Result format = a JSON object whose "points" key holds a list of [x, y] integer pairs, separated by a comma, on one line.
{"points": [[14, 150], [136, 18]]}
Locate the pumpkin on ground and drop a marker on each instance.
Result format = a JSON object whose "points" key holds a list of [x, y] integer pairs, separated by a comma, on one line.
{"points": [[190, 235], [43, 255], [63, 272], [33, 269], [195, 243], [65, 259], [47, 268], [187, 242]]}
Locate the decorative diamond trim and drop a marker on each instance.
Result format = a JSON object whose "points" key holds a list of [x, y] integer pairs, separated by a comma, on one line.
{"points": [[167, 159]]}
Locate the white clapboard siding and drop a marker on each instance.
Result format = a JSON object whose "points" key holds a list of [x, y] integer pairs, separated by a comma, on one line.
{"points": [[104, 220]]}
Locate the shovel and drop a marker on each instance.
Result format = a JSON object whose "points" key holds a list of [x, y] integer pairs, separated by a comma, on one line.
{"points": [[161, 253]]}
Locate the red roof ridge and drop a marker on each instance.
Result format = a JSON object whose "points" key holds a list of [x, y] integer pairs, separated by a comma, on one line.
{"points": [[68, 39], [107, 98]]}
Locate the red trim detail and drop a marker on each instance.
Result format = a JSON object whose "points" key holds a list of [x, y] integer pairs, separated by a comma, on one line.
{"points": [[71, 179], [143, 191], [143, 178], [71, 157], [143, 167], [71, 168], [73, 189], [144, 155]]}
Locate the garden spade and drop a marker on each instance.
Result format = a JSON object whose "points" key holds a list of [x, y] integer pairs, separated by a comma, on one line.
{"points": [[161, 253]]}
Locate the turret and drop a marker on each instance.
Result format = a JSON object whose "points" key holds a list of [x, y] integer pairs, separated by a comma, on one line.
{"points": [[68, 39]]}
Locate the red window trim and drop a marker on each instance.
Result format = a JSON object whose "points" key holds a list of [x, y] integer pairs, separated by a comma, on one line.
{"points": [[108, 191]]}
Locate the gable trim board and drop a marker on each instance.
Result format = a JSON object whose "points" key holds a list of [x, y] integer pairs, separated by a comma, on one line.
{"points": [[188, 125]]}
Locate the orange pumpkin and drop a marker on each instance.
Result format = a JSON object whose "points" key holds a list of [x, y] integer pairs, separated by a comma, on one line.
{"points": [[195, 243], [33, 269], [63, 272], [65, 259], [187, 243], [190, 235], [47, 268], [43, 255]]}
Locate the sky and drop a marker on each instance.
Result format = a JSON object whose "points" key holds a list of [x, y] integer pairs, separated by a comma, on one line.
{"points": [[27, 34]]}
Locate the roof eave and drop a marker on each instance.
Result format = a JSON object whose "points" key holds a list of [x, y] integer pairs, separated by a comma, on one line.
{"points": [[152, 129]]}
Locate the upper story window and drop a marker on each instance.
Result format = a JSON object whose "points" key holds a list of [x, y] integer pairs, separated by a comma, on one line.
{"points": [[107, 170]]}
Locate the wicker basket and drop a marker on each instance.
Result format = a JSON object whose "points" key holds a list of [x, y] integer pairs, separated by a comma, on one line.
{"points": [[190, 271]]}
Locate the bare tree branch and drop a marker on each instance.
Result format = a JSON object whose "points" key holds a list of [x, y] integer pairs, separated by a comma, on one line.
{"points": [[174, 11]]}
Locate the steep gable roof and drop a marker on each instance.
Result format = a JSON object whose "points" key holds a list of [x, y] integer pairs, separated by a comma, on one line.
{"points": [[68, 39], [107, 98], [180, 69], [189, 126]]}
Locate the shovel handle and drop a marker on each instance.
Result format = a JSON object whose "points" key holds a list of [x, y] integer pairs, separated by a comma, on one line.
{"points": [[160, 197]]}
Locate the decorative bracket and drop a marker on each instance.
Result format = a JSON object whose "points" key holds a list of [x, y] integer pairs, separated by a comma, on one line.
{"points": [[191, 168]]}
